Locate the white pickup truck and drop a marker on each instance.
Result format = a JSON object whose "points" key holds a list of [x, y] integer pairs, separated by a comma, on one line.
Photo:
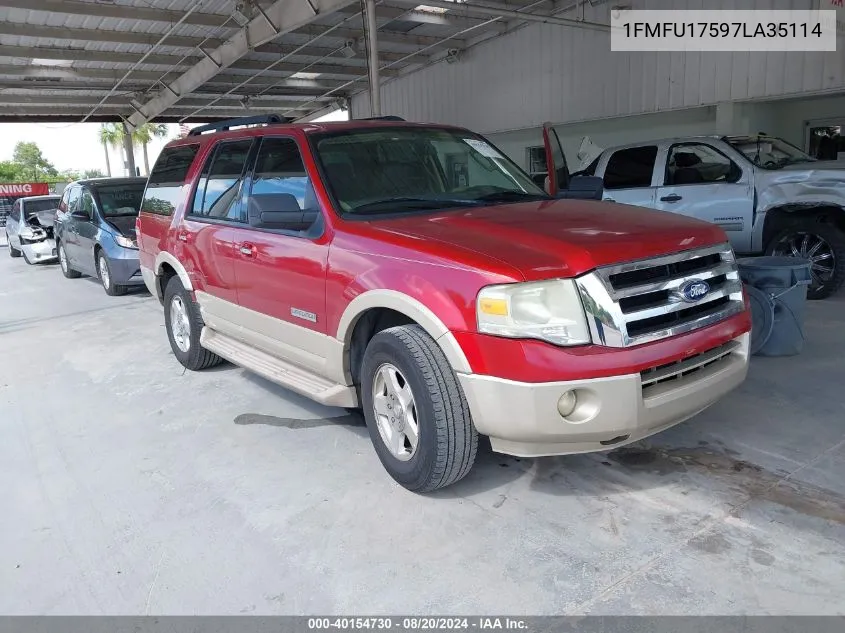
{"points": [[768, 195]]}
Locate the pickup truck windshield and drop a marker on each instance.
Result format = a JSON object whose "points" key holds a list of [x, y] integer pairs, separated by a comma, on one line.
{"points": [[769, 152], [412, 169], [120, 200]]}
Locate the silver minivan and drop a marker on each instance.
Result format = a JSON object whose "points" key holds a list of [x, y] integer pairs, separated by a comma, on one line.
{"points": [[29, 228]]}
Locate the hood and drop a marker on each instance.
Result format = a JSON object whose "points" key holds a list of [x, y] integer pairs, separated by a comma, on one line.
{"points": [[818, 165], [124, 224], [558, 238]]}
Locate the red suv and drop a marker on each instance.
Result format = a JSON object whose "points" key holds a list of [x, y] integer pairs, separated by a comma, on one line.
{"points": [[416, 272]]}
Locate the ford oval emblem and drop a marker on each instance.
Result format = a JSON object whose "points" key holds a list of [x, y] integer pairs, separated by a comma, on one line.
{"points": [[694, 290]]}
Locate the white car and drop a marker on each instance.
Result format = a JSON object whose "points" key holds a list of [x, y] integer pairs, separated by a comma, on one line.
{"points": [[29, 228], [768, 195]]}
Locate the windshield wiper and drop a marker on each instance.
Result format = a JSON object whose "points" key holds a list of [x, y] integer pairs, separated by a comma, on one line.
{"points": [[512, 196], [409, 204]]}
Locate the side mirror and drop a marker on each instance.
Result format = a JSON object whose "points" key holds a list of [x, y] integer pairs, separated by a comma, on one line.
{"points": [[583, 188], [284, 220]]}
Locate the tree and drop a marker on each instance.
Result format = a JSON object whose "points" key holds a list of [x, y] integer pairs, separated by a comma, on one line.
{"points": [[146, 133], [93, 173], [32, 162], [111, 134], [70, 175], [10, 171]]}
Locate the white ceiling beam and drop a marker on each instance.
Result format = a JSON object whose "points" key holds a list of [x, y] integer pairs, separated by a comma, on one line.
{"points": [[278, 18], [224, 79], [173, 61], [54, 33], [117, 102], [122, 12]]}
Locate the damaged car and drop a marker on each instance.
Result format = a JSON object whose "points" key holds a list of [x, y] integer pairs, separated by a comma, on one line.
{"points": [[29, 228], [95, 232], [768, 195]]}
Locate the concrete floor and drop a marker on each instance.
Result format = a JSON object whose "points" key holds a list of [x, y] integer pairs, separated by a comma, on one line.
{"points": [[129, 486]]}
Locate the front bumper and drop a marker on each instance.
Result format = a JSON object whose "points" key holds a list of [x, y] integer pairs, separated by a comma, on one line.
{"points": [[43, 251], [522, 418], [125, 267]]}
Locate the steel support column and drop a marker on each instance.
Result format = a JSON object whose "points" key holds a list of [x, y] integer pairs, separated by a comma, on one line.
{"points": [[372, 48], [127, 146]]}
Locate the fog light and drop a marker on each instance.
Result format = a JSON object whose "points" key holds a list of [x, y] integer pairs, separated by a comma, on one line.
{"points": [[567, 403]]}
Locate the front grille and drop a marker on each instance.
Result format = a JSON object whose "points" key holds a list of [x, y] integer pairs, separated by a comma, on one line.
{"points": [[643, 301], [681, 369]]}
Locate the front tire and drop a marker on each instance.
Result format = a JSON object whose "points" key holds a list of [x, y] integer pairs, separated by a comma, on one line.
{"points": [[823, 245], [184, 325], [13, 252], [415, 409], [104, 272], [64, 263]]}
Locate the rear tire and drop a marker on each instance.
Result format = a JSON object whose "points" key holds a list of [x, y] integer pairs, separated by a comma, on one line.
{"points": [[823, 244], [446, 440], [104, 273], [64, 264], [13, 252], [184, 325]]}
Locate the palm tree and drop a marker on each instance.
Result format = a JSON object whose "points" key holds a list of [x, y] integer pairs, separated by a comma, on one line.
{"points": [[110, 134], [146, 133]]}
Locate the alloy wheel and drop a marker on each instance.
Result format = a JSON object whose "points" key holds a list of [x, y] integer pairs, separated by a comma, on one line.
{"points": [[395, 412], [104, 272], [813, 248], [180, 324]]}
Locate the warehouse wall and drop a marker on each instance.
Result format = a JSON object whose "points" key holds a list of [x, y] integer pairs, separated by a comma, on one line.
{"points": [[553, 73]]}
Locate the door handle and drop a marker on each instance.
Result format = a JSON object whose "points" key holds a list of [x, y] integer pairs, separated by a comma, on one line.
{"points": [[182, 237], [247, 250], [673, 198], [610, 199]]}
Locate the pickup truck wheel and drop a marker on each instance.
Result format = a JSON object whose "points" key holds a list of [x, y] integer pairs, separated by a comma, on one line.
{"points": [[184, 325], [64, 264], [416, 412], [13, 252], [824, 246]]}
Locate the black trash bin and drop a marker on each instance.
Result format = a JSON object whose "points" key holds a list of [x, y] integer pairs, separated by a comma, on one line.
{"points": [[777, 288]]}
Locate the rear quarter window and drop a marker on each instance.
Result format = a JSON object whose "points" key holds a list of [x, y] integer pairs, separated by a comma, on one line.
{"points": [[164, 187]]}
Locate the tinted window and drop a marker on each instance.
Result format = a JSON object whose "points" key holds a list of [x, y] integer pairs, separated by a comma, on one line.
{"points": [[166, 180], [119, 200], [699, 164], [15, 213], [86, 203], [413, 169], [73, 198], [628, 168], [31, 207], [217, 191]]}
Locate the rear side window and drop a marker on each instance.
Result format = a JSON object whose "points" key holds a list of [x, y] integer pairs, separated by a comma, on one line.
{"points": [[165, 183], [630, 168], [16, 210], [217, 190]]}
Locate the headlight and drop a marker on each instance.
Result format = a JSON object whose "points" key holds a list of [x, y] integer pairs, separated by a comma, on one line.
{"points": [[548, 310], [125, 242]]}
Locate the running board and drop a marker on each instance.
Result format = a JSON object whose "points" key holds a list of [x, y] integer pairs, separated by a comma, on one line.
{"points": [[279, 371]]}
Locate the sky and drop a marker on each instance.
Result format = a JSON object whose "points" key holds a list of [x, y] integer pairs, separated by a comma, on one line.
{"points": [[75, 145]]}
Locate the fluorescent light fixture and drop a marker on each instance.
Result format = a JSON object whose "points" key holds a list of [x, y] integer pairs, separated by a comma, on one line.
{"points": [[436, 10], [64, 63], [301, 75]]}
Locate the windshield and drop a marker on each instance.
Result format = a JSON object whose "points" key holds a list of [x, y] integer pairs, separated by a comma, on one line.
{"points": [[120, 200], [400, 170], [768, 152], [31, 207]]}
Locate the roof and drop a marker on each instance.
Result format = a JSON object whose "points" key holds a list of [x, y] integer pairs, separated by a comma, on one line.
{"points": [[181, 60], [51, 196], [308, 128], [95, 182]]}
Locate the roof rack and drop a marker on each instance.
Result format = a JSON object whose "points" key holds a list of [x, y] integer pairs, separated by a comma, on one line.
{"points": [[222, 126], [389, 117]]}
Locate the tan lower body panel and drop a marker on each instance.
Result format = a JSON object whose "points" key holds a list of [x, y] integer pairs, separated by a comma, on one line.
{"points": [[279, 371], [523, 419]]}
